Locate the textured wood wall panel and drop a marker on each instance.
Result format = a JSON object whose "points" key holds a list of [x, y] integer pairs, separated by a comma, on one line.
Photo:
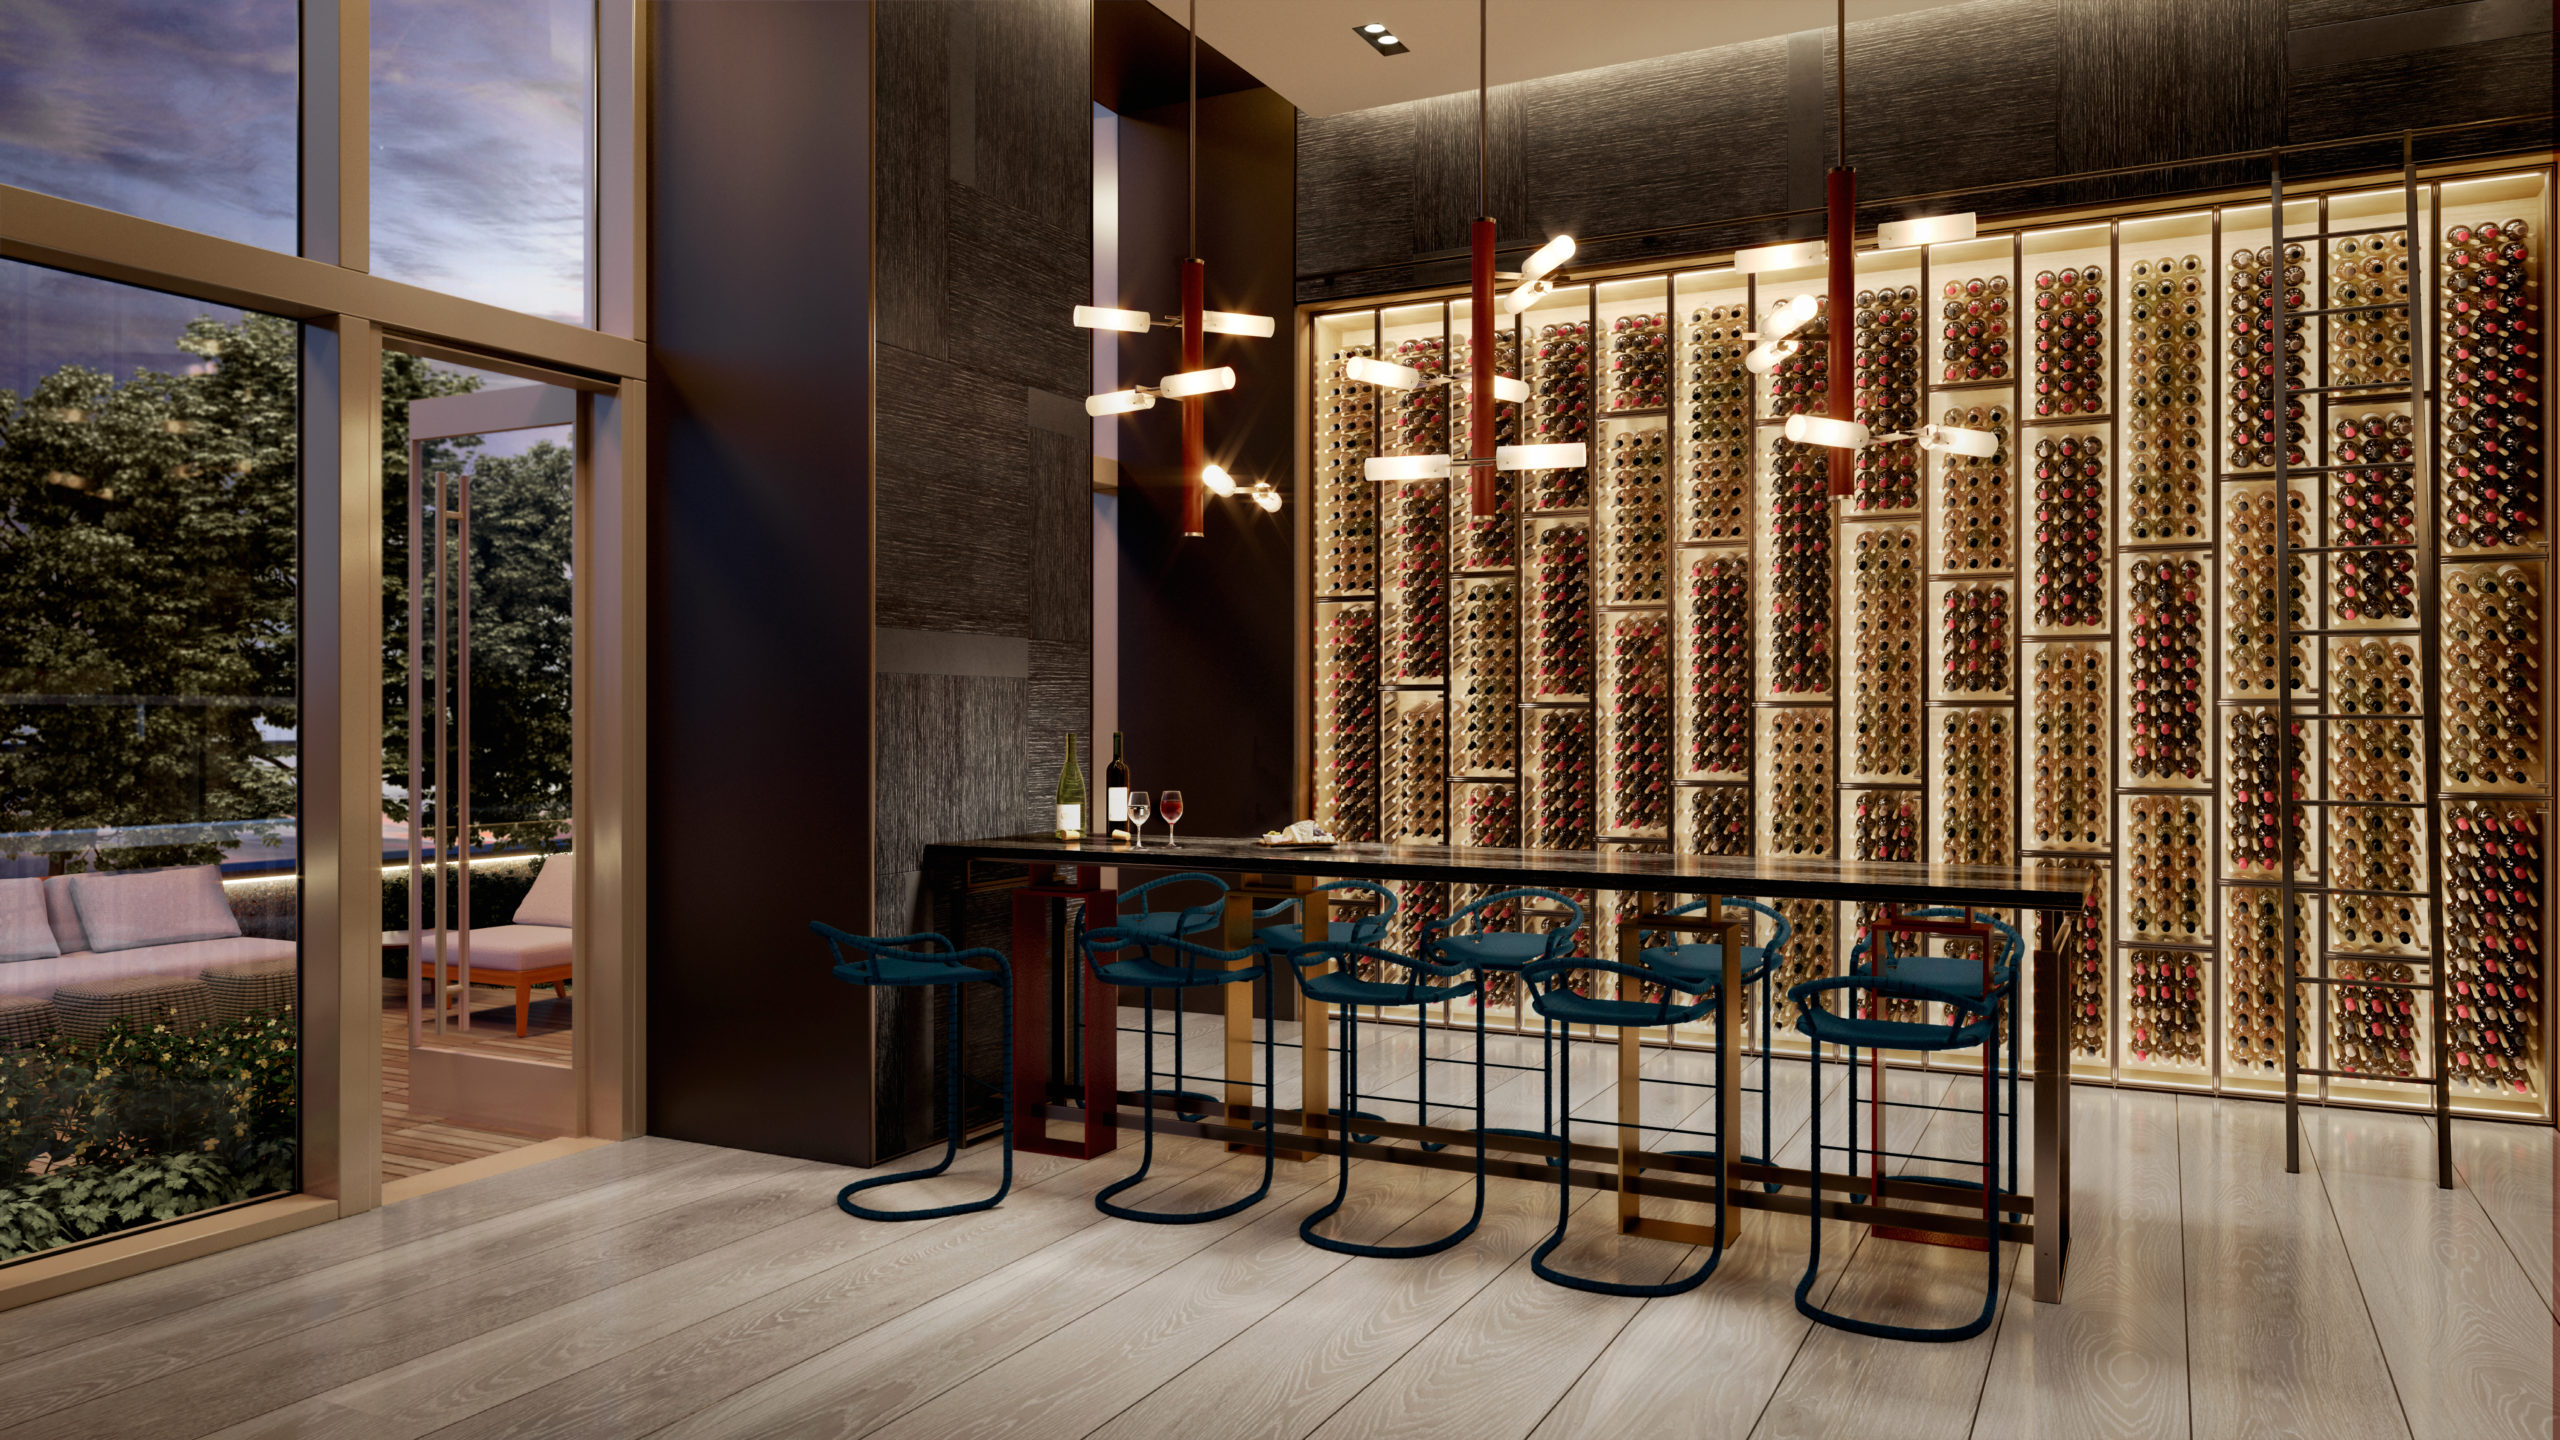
{"points": [[1354, 203], [955, 499], [937, 733], [1035, 111], [1992, 93], [1015, 280], [2484, 81], [914, 167], [2150, 80]]}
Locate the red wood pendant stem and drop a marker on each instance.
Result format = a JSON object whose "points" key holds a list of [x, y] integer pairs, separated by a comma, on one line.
{"points": [[1843, 194], [1480, 446], [1195, 495]]}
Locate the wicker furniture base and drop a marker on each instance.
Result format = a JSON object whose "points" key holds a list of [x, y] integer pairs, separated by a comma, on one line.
{"points": [[87, 1007], [250, 986], [24, 1020]]}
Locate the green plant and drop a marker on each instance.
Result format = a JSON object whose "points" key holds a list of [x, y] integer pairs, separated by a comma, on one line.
{"points": [[145, 1124]]}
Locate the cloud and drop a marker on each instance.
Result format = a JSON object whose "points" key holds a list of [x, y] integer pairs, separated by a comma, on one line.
{"points": [[183, 111]]}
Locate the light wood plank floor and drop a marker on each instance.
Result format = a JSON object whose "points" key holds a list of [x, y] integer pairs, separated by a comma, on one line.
{"points": [[662, 1288]]}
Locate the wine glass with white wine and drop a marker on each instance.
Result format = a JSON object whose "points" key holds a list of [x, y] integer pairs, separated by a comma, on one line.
{"points": [[1139, 810]]}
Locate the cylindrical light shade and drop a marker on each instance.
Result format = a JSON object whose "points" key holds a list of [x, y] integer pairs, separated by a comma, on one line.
{"points": [[1822, 430], [1381, 372], [1927, 230], [1777, 257], [1197, 382], [1407, 467], [1958, 441], [1220, 483], [1267, 497], [1789, 316], [1541, 457], [1117, 402], [1543, 260], [1098, 317], [1506, 388], [1761, 359], [1524, 297], [1228, 322]]}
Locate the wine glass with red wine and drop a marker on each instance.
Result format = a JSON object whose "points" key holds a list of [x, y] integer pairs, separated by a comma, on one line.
{"points": [[1169, 805]]}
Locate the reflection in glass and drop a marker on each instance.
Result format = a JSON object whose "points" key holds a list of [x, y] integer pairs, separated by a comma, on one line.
{"points": [[482, 118], [180, 111], [148, 744]]}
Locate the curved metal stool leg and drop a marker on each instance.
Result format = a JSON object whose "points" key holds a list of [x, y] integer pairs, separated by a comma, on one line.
{"points": [[1102, 1200], [1546, 1090], [1813, 1256], [1564, 1212], [1342, 1181], [951, 1149]]}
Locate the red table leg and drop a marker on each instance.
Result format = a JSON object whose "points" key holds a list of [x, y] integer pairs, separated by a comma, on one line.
{"points": [[1032, 968]]}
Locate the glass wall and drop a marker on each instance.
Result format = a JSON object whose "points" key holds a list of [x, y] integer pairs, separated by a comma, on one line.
{"points": [[149, 720], [483, 149], [180, 111]]}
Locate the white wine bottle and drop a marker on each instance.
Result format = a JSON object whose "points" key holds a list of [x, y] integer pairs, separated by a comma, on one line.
{"points": [[1070, 795], [1115, 791]]}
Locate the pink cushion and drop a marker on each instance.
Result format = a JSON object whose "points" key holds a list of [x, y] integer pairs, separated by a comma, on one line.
{"points": [[68, 937], [547, 903], [43, 977], [25, 933], [126, 910], [501, 949]]}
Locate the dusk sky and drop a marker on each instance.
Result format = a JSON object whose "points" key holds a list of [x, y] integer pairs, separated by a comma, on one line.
{"points": [[182, 111]]}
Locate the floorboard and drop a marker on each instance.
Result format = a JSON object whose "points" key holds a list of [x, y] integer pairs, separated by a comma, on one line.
{"points": [[2457, 1316], [660, 1288]]}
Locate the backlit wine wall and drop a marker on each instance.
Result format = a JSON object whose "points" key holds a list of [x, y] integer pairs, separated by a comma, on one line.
{"points": [[2065, 652]]}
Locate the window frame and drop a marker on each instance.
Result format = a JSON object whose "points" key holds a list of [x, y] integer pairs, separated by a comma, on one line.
{"points": [[349, 315]]}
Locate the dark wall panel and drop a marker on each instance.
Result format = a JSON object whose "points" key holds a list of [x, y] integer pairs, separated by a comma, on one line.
{"points": [[1206, 634], [1700, 151], [759, 608]]}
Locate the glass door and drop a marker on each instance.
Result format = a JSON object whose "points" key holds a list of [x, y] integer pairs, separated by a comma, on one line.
{"points": [[477, 766]]}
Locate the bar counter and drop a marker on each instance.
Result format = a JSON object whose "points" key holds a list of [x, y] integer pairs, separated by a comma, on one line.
{"points": [[1042, 872]]}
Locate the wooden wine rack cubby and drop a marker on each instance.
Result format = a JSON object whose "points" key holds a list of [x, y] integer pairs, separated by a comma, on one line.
{"points": [[2231, 587]]}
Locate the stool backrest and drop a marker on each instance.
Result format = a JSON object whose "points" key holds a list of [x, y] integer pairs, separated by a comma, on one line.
{"points": [[1559, 940], [1307, 958], [1139, 893], [870, 950], [1777, 944], [1104, 943]]}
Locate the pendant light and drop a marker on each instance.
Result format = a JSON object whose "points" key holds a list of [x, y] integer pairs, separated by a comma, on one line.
{"points": [[1197, 378], [1840, 430], [1535, 278]]}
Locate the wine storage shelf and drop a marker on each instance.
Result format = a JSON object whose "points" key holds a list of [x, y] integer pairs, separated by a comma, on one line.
{"points": [[2258, 572]]}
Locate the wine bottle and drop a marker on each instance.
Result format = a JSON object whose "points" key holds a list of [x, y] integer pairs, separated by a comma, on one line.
{"points": [[1115, 787], [1070, 795]]}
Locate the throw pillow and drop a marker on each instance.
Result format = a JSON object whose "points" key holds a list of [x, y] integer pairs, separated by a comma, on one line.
{"points": [[128, 910], [25, 933]]}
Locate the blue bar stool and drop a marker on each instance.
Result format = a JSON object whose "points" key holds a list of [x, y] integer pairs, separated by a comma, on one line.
{"points": [[1199, 967], [900, 962], [1556, 1001], [1994, 983], [1698, 968], [1342, 986], [1974, 1026], [1367, 929], [1508, 952], [1174, 925]]}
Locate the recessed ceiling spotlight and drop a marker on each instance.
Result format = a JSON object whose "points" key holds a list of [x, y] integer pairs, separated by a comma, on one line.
{"points": [[1381, 39]]}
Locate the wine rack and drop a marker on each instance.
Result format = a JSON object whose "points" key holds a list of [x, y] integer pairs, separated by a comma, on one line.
{"points": [[2070, 778], [1887, 394], [1718, 660], [2259, 563], [1884, 692], [1974, 498]]}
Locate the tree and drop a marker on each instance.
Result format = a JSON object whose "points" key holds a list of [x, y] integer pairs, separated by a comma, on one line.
{"points": [[149, 559]]}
